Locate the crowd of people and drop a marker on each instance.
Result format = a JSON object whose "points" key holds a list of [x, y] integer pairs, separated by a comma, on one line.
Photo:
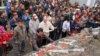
{"points": [[45, 21]]}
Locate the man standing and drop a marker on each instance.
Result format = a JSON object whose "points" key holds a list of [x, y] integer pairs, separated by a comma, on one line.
{"points": [[26, 18], [66, 28], [20, 36], [33, 26], [46, 26], [13, 20]]}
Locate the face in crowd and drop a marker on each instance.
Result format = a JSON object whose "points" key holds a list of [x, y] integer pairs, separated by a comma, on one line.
{"points": [[20, 23], [34, 17], [26, 12], [45, 19], [15, 15]]}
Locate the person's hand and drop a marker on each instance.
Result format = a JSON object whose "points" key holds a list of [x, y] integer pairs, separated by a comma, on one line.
{"points": [[47, 31], [76, 27], [16, 42], [38, 34], [68, 32], [5, 42]]}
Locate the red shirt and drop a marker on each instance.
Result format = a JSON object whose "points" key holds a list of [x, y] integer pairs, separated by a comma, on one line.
{"points": [[5, 36]]}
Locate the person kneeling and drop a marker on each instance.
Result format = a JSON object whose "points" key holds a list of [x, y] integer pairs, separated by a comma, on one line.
{"points": [[41, 38]]}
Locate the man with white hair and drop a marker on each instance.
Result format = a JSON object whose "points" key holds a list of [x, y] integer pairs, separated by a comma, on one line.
{"points": [[33, 26], [47, 28]]}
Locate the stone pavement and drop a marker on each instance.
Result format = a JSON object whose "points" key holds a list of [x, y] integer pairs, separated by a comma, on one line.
{"points": [[14, 52]]}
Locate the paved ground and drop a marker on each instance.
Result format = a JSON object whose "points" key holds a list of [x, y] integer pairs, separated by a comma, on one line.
{"points": [[14, 52]]}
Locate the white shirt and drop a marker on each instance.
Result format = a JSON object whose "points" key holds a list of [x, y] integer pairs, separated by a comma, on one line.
{"points": [[66, 26], [47, 27], [33, 26]]}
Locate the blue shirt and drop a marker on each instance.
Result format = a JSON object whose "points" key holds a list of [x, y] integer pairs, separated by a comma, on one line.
{"points": [[12, 23], [72, 25], [26, 19]]}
